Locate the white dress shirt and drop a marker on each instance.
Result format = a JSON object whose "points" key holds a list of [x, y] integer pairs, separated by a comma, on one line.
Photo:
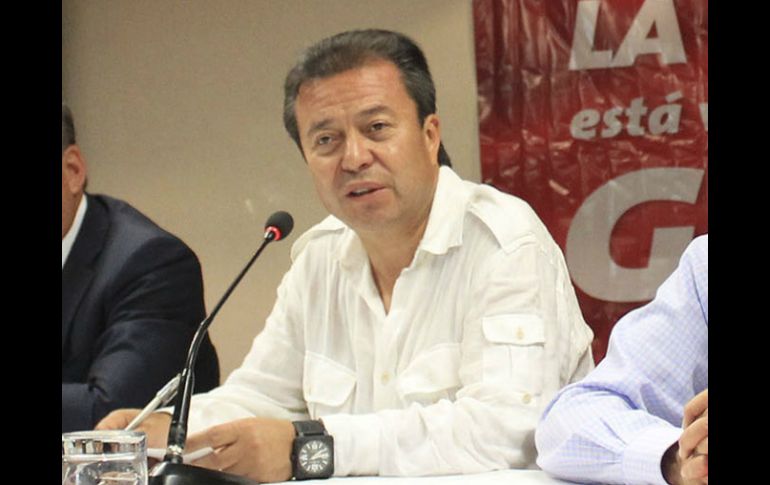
{"points": [[69, 239], [483, 329]]}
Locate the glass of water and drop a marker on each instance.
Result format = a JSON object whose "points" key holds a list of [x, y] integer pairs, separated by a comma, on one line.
{"points": [[113, 457]]}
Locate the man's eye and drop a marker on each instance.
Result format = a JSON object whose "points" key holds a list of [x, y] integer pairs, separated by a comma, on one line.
{"points": [[377, 126], [323, 140]]}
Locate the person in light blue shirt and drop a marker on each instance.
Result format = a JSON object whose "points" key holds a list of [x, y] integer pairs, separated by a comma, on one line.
{"points": [[642, 415]]}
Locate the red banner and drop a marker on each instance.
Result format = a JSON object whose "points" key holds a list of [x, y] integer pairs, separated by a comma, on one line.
{"points": [[596, 113]]}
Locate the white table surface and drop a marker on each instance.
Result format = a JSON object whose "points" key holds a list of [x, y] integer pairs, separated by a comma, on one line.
{"points": [[517, 477]]}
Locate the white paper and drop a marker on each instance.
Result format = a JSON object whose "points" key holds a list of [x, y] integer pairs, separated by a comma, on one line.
{"points": [[159, 453]]}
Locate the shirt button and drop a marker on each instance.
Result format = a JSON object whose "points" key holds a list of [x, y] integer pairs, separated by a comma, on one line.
{"points": [[519, 334], [526, 398], [385, 378]]}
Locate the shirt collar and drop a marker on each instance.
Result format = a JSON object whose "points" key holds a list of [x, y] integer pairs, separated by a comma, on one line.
{"points": [[447, 214], [69, 239], [445, 222]]}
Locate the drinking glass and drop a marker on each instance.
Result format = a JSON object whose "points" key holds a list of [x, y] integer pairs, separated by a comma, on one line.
{"points": [[113, 457]]}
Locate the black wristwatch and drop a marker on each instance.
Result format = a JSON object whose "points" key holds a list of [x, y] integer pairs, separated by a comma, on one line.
{"points": [[312, 455]]}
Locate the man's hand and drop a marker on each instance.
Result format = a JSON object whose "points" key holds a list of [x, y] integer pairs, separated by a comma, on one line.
{"points": [[257, 448], [156, 425], [694, 442], [686, 462]]}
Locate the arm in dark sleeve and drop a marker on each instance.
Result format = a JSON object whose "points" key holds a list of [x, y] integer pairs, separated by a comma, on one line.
{"points": [[152, 310]]}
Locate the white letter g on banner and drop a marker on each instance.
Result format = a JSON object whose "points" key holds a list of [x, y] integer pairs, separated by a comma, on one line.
{"points": [[588, 240]]}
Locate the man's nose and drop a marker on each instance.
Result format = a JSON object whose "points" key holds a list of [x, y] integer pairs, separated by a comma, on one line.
{"points": [[358, 154]]}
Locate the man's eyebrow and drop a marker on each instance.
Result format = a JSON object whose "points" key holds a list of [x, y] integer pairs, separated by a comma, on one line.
{"points": [[374, 110], [368, 112], [318, 126]]}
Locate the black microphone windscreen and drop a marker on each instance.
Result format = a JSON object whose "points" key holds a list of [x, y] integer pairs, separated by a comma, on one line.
{"points": [[282, 221]]}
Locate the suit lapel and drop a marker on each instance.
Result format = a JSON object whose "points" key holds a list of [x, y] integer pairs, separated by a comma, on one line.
{"points": [[79, 270]]}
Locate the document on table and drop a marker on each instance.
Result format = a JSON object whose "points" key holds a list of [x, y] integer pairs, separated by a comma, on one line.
{"points": [[159, 453]]}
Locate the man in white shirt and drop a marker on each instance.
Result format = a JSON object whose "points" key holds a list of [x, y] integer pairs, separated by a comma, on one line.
{"points": [[423, 325]]}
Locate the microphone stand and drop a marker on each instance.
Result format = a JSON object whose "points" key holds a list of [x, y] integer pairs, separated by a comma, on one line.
{"points": [[172, 471]]}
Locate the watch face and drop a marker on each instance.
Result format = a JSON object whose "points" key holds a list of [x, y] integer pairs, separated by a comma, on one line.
{"points": [[314, 457]]}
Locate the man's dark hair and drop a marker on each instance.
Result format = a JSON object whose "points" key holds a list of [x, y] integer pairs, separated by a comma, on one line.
{"points": [[353, 49], [67, 127]]}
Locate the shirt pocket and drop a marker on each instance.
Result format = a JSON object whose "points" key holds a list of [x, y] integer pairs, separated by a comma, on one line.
{"points": [[514, 354], [327, 386], [433, 375]]}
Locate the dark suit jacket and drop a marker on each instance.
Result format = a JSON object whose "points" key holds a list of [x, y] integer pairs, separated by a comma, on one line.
{"points": [[132, 298]]}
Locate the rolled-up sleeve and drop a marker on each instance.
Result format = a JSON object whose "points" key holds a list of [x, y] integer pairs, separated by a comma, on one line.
{"points": [[269, 381]]}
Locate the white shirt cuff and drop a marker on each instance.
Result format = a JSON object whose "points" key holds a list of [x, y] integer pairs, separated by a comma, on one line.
{"points": [[356, 443], [641, 460]]}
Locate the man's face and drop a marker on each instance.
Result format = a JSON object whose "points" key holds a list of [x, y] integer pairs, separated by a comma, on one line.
{"points": [[374, 166]]}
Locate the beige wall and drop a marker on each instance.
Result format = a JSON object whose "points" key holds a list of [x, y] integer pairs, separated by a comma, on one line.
{"points": [[178, 111]]}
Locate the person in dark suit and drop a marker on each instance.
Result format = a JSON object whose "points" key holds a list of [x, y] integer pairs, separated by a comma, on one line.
{"points": [[132, 298]]}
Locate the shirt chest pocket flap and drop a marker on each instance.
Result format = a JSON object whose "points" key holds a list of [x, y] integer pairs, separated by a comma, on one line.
{"points": [[326, 385], [515, 351]]}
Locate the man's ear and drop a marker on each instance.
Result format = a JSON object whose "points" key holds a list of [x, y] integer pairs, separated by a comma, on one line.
{"points": [[73, 169], [431, 128]]}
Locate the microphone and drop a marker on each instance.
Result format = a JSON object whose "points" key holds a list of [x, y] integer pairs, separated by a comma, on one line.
{"points": [[278, 225], [172, 470]]}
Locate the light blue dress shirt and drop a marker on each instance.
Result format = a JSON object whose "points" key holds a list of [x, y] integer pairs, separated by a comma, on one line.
{"points": [[615, 425]]}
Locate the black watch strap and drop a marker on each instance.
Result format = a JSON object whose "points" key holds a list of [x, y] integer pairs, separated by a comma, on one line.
{"points": [[309, 428]]}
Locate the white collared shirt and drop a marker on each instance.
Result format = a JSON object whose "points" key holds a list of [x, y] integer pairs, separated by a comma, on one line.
{"points": [[483, 329], [69, 239]]}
